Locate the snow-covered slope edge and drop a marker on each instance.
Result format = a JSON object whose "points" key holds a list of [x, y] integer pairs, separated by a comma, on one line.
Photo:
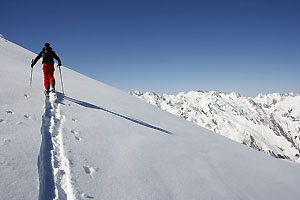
{"points": [[268, 123], [107, 144]]}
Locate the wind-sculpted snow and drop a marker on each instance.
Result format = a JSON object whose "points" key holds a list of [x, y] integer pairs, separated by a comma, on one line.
{"points": [[268, 123]]}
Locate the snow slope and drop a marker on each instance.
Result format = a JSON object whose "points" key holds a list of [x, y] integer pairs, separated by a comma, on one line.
{"points": [[97, 142], [268, 123]]}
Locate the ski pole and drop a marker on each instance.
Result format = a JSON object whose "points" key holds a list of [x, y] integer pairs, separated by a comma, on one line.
{"points": [[62, 86], [31, 73]]}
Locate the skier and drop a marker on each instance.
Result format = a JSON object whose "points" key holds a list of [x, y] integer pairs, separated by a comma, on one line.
{"points": [[48, 67]]}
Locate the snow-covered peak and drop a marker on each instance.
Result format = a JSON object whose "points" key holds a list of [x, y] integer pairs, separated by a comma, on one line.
{"points": [[268, 123], [136, 93]]}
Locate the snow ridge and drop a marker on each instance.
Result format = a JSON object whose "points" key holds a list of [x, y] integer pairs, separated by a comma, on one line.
{"points": [[54, 166]]}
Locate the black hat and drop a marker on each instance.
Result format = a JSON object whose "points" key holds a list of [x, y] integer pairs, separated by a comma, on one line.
{"points": [[47, 44]]}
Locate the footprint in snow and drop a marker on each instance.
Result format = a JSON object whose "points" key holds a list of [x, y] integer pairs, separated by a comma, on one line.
{"points": [[87, 196], [26, 95], [6, 141], [9, 112], [90, 170], [74, 119], [27, 117], [76, 133], [78, 138], [2, 121]]}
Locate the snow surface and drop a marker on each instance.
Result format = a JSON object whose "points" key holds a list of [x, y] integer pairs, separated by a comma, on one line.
{"points": [[98, 142]]}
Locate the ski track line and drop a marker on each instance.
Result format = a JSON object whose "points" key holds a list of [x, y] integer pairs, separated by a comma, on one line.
{"points": [[53, 165]]}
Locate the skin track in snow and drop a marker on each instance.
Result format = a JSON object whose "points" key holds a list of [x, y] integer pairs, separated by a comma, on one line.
{"points": [[54, 169]]}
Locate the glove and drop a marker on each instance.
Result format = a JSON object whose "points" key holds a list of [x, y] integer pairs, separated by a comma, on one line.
{"points": [[59, 64], [32, 63]]}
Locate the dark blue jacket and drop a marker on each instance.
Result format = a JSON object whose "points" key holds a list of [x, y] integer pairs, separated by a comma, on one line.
{"points": [[48, 56]]}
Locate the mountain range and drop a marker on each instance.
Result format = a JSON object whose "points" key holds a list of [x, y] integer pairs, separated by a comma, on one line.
{"points": [[269, 123]]}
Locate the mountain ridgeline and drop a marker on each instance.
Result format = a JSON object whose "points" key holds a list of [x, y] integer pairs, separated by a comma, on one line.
{"points": [[269, 123]]}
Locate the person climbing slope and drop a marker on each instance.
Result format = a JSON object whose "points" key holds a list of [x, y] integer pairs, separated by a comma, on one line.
{"points": [[48, 67]]}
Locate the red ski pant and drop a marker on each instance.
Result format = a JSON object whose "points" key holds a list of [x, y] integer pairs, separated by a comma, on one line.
{"points": [[48, 75]]}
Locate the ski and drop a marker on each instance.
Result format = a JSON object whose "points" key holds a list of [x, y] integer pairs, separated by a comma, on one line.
{"points": [[53, 97]]}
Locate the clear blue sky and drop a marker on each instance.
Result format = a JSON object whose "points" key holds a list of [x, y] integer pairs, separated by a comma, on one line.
{"points": [[248, 46]]}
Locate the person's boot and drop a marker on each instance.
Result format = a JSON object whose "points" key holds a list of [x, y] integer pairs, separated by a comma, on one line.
{"points": [[46, 92], [52, 88]]}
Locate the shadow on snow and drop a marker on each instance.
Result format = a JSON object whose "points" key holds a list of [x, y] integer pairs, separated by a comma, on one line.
{"points": [[88, 105], [46, 177]]}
